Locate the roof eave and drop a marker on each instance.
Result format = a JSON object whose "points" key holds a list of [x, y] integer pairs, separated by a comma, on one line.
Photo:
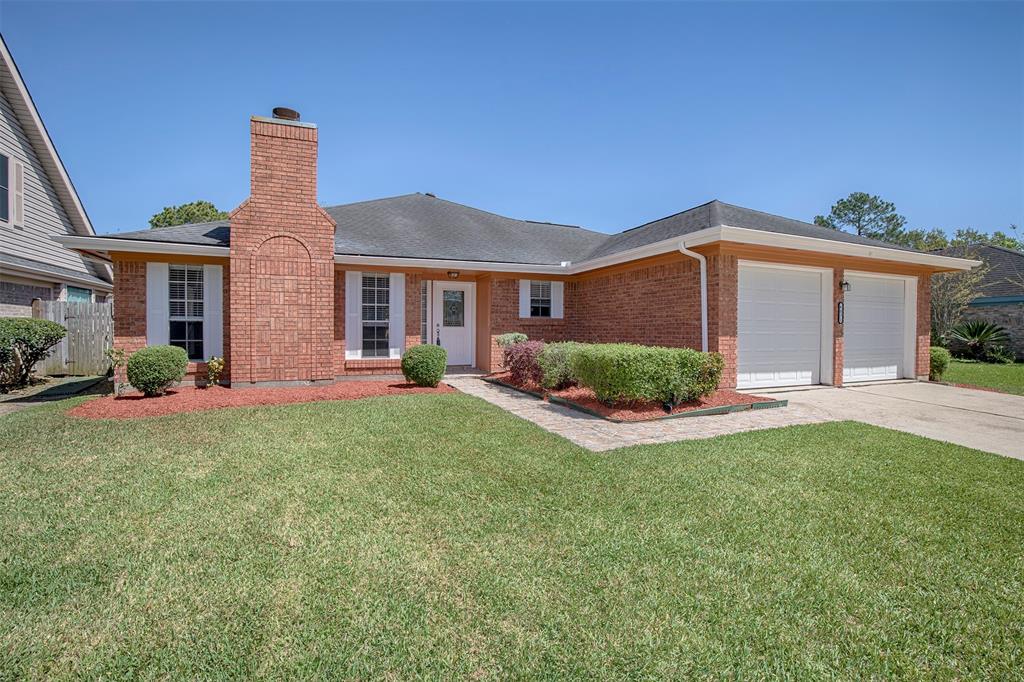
{"points": [[721, 233]]}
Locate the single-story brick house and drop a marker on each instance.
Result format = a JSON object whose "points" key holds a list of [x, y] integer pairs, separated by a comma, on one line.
{"points": [[289, 291]]}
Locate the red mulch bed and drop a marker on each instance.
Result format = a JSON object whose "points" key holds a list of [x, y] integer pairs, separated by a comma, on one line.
{"points": [[642, 411], [192, 399]]}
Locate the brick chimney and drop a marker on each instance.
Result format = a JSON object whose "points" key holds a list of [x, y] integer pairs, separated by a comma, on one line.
{"points": [[280, 325]]}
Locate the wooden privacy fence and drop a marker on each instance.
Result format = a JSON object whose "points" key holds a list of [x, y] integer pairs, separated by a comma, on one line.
{"points": [[90, 333]]}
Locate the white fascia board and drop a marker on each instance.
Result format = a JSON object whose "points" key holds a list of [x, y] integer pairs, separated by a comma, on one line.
{"points": [[743, 235], [107, 244], [442, 264], [48, 276]]}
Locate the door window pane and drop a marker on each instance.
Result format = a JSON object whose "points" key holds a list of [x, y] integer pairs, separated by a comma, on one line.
{"points": [[454, 308]]}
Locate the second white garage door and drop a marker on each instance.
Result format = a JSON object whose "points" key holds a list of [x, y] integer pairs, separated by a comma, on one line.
{"points": [[779, 325], [874, 331]]}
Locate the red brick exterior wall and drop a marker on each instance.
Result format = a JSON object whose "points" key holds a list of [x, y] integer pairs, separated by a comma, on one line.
{"points": [[282, 264], [924, 326], [130, 316], [504, 316], [656, 305], [837, 329], [723, 292], [129, 308]]}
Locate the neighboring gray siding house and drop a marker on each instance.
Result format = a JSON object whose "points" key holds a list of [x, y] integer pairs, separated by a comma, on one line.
{"points": [[1000, 296], [37, 202]]}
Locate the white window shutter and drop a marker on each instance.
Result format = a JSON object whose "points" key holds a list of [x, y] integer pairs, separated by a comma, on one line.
{"points": [[524, 298], [557, 300], [396, 324], [17, 212], [353, 315], [158, 329], [213, 311]]}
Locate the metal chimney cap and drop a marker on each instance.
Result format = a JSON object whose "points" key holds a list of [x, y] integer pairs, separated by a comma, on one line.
{"points": [[286, 113]]}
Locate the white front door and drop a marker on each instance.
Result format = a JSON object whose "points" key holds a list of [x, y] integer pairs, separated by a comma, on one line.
{"points": [[873, 331], [779, 326], [452, 320]]}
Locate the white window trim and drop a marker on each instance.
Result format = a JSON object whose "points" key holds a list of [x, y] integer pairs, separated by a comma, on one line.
{"points": [[354, 316], [557, 300]]}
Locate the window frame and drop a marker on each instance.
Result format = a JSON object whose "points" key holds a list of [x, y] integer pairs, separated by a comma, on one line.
{"points": [[191, 321], [538, 301], [379, 347]]}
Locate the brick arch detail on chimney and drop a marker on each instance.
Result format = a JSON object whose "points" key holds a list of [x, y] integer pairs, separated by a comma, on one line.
{"points": [[281, 344]]}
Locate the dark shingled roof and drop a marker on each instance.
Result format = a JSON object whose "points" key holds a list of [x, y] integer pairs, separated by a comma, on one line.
{"points": [[716, 213], [423, 226], [1004, 268]]}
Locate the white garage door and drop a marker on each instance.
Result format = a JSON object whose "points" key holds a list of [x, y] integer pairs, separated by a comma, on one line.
{"points": [[779, 327], [873, 329]]}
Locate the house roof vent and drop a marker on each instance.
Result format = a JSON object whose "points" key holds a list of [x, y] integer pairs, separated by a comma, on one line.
{"points": [[286, 114]]}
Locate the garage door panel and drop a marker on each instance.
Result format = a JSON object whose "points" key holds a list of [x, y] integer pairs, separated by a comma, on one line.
{"points": [[873, 329], [778, 327]]}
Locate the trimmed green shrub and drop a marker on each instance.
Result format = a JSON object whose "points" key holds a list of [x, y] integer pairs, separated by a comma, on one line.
{"points": [[940, 359], [154, 369], [625, 373], [521, 361], [424, 365], [555, 365], [510, 339], [24, 341]]}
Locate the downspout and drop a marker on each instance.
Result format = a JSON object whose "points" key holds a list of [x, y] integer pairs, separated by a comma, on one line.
{"points": [[703, 293]]}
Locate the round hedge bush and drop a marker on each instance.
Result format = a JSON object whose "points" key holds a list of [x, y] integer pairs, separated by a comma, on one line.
{"points": [[424, 365], [154, 369]]}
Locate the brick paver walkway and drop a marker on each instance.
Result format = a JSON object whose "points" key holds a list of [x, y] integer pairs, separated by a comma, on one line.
{"points": [[599, 435]]}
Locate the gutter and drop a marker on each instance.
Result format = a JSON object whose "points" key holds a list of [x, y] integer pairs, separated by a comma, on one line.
{"points": [[703, 293]]}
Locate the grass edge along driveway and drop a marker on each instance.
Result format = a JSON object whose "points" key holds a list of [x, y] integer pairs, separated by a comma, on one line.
{"points": [[1005, 378], [439, 536]]}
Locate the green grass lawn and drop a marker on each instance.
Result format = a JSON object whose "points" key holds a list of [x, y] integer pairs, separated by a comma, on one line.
{"points": [[1006, 378], [438, 536]]}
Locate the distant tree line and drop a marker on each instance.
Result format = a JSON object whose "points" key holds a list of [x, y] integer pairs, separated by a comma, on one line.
{"points": [[869, 215]]}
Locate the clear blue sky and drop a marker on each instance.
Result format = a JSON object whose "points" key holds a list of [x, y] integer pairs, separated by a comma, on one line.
{"points": [[602, 115]]}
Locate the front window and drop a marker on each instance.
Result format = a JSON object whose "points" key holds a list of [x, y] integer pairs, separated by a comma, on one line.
{"points": [[185, 294], [5, 190], [376, 315], [540, 299]]}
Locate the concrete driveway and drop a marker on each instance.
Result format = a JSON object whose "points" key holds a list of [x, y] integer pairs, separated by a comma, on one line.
{"points": [[978, 419]]}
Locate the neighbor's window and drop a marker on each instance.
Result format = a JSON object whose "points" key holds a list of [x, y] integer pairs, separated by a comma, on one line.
{"points": [[185, 294], [5, 189], [376, 315], [540, 299], [79, 295]]}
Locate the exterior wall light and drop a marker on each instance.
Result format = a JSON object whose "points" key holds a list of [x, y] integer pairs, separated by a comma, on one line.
{"points": [[453, 274], [844, 285]]}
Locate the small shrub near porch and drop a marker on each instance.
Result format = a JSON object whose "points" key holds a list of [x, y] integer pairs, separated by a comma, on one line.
{"points": [[424, 365], [154, 369]]}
